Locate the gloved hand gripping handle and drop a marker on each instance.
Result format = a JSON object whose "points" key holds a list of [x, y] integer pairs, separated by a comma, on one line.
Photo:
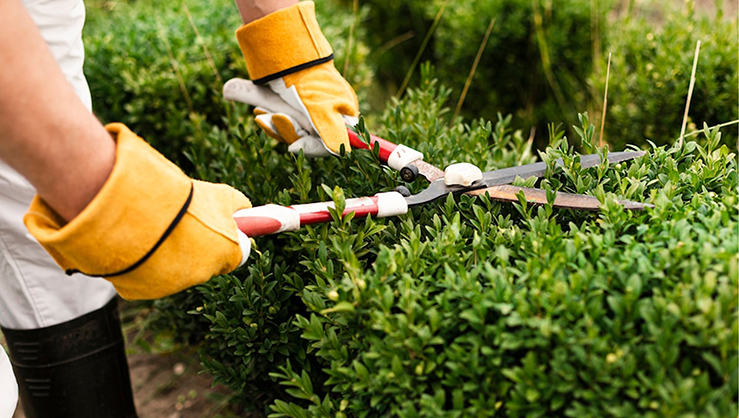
{"points": [[245, 91]]}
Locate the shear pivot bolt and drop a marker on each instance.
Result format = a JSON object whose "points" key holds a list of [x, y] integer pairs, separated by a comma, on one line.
{"points": [[409, 173], [462, 174]]}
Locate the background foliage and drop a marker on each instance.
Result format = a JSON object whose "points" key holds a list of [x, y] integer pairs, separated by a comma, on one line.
{"points": [[535, 49], [547, 60], [466, 307], [651, 74]]}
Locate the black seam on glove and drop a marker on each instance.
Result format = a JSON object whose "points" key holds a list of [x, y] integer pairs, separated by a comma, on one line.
{"points": [[275, 76], [146, 256]]}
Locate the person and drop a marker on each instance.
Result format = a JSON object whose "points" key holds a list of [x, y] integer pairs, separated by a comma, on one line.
{"points": [[111, 213]]}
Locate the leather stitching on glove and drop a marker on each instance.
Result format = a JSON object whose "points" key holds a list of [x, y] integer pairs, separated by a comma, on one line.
{"points": [[295, 69]]}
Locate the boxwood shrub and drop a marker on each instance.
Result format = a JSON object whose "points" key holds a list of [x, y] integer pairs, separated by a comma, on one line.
{"points": [[469, 307]]}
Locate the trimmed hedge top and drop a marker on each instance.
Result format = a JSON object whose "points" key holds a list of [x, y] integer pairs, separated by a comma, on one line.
{"points": [[476, 308]]}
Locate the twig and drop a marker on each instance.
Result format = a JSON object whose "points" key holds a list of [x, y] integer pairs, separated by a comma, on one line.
{"points": [[473, 70], [630, 9], [202, 43], [532, 136], [425, 42], [605, 102], [393, 43], [595, 34], [690, 93], [350, 42], [722, 125], [175, 67], [544, 55]]}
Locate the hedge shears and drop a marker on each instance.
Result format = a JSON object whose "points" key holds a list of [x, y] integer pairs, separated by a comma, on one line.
{"points": [[456, 179]]}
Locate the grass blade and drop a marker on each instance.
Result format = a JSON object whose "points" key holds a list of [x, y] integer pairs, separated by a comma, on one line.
{"points": [[473, 70], [690, 92], [425, 42], [605, 103]]}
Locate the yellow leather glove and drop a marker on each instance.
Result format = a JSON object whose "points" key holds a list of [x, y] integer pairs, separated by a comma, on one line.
{"points": [[286, 52], [151, 230]]}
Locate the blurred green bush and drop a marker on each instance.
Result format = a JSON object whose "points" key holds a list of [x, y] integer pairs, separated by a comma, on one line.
{"points": [[147, 68], [650, 77], [534, 66], [546, 60], [160, 67]]}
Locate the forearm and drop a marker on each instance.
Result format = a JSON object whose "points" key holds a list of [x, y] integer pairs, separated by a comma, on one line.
{"points": [[46, 133], [254, 9]]}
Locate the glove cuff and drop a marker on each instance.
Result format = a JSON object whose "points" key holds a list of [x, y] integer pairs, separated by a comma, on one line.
{"points": [[283, 42], [140, 177]]}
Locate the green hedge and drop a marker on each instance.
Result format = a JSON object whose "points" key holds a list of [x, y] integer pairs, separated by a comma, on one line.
{"points": [[474, 308]]}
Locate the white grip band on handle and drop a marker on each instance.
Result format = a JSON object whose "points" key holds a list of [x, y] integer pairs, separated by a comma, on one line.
{"points": [[288, 218], [391, 204], [402, 156]]}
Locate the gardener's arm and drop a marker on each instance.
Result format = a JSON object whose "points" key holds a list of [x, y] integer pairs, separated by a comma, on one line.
{"points": [[108, 204], [252, 10], [46, 133]]}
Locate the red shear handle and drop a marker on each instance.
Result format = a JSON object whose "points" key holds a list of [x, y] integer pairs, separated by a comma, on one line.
{"points": [[272, 219], [394, 156], [386, 147]]}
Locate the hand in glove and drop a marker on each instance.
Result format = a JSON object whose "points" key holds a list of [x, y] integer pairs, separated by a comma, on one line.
{"points": [[300, 97], [151, 230]]}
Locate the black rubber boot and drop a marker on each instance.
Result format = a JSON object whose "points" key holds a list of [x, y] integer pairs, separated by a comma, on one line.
{"points": [[76, 369]]}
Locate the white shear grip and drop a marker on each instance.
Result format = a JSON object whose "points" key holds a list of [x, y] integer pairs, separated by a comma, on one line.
{"points": [[391, 204], [402, 156]]}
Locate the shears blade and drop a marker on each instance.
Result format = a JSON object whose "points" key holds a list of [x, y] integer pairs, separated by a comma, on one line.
{"points": [[508, 175], [437, 189], [508, 193]]}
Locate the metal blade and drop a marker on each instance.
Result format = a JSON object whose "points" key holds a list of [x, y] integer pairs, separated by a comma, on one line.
{"points": [[507, 175], [431, 172], [437, 189], [507, 193]]}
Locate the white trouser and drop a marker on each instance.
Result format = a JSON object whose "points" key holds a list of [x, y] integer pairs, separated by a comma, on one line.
{"points": [[34, 291]]}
